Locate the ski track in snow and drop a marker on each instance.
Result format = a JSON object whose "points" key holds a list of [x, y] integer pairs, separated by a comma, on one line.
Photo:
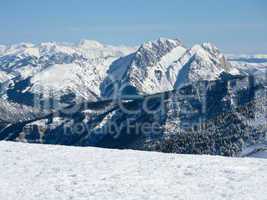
{"points": [[40, 172]]}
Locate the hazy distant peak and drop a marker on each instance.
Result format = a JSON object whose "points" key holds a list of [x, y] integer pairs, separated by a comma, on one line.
{"points": [[90, 44]]}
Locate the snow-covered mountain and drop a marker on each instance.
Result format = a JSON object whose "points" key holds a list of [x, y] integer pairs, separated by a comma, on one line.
{"points": [[146, 70], [59, 69], [27, 58], [249, 64], [202, 62], [90, 70], [165, 64]]}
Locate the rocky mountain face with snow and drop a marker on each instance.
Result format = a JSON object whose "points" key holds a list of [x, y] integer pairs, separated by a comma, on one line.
{"points": [[147, 70], [163, 65], [202, 62], [192, 100]]}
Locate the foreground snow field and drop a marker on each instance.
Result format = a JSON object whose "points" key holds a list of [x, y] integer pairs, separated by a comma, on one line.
{"points": [[33, 172]]}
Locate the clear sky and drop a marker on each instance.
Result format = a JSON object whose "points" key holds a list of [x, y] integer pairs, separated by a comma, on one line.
{"points": [[235, 26]]}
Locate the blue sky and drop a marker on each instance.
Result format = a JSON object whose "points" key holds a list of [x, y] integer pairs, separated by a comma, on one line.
{"points": [[235, 26]]}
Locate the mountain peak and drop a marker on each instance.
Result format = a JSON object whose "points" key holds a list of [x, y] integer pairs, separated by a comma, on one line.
{"points": [[90, 44], [168, 40], [161, 43], [2, 48], [146, 70], [22, 45], [206, 51], [202, 62], [211, 48], [152, 52], [51, 43]]}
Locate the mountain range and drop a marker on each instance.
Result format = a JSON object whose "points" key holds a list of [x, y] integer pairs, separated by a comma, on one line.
{"points": [[202, 100]]}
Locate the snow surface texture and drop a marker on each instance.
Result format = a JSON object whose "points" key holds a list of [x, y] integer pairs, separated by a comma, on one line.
{"points": [[41, 172]]}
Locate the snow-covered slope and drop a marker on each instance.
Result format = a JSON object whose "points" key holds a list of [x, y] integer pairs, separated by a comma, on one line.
{"points": [[83, 79], [30, 172], [4, 76], [14, 113]]}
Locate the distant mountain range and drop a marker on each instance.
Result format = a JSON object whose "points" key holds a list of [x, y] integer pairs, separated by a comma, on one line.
{"points": [[162, 74], [88, 69]]}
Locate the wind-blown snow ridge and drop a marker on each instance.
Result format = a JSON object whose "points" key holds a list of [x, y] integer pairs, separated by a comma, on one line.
{"points": [[30, 172]]}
